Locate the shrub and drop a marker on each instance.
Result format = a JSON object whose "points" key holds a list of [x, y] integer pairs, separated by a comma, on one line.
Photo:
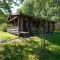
{"points": [[3, 27], [22, 50], [4, 36]]}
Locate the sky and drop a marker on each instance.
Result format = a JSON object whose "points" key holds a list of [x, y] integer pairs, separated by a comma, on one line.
{"points": [[14, 9]]}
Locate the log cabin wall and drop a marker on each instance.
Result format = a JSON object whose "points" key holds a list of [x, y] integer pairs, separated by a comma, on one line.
{"points": [[26, 24], [32, 25], [21, 24]]}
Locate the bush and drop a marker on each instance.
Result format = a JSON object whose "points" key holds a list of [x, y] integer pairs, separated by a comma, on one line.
{"points": [[13, 52], [22, 50], [5, 36], [3, 27], [31, 48]]}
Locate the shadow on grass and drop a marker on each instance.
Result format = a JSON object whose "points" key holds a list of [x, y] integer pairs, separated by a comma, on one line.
{"points": [[16, 51], [53, 38], [53, 51], [48, 55]]}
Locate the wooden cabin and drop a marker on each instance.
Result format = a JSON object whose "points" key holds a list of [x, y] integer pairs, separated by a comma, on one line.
{"points": [[22, 24]]}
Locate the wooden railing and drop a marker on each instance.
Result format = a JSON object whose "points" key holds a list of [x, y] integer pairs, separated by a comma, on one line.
{"points": [[13, 30]]}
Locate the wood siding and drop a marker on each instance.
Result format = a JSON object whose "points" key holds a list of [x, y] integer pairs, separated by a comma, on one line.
{"points": [[30, 25]]}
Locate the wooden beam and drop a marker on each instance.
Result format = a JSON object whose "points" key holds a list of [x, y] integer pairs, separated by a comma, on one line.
{"points": [[13, 18]]}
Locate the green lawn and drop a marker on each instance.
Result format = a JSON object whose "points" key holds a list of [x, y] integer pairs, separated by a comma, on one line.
{"points": [[31, 48], [52, 47]]}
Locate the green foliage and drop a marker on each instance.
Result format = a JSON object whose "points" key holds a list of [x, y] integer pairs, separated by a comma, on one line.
{"points": [[27, 8], [22, 50], [47, 9], [52, 9], [5, 8], [3, 17], [3, 27], [5, 36], [6, 5], [31, 49]]}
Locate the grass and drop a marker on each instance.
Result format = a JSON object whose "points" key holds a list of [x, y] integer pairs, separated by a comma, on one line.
{"points": [[23, 50], [54, 41], [31, 48], [7, 36], [52, 46]]}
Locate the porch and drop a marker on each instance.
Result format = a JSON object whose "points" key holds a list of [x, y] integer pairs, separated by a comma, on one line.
{"points": [[15, 30], [25, 25]]}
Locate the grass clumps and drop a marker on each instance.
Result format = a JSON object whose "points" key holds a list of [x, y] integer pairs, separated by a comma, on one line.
{"points": [[31, 48], [7, 36], [22, 50]]}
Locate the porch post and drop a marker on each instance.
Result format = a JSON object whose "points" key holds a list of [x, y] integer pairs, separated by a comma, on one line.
{"points": [[21, 24], [18, 26], [14, 22]]}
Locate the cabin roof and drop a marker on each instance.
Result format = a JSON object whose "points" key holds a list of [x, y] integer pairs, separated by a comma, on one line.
{"points": [[14, 16]]}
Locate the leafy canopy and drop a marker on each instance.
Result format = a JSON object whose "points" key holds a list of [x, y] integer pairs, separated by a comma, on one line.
{"points": [[5, 8], [47, 9]]}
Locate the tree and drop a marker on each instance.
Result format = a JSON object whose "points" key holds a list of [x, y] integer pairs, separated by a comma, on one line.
{"points": [[32, 7], [5, 5], [52, 8], [27, 7], [5, 8], [47, 9]]}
